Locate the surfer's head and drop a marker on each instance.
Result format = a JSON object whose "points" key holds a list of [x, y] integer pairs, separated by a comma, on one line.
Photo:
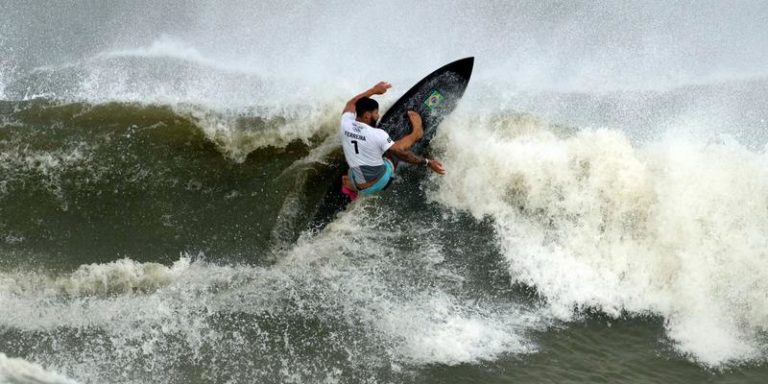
{"points": [[367, 110]]}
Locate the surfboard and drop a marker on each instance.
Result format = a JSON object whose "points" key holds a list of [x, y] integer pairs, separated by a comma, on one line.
{"points": [[434, 97]]}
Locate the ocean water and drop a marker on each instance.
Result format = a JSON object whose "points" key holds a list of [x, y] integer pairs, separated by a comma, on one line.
{"points": [[603, 219]]}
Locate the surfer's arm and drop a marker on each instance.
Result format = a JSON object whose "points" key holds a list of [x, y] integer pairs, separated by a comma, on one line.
{"points": [[402, 148], [378, 89], [417, 132], [406, 142], [412, 158]]}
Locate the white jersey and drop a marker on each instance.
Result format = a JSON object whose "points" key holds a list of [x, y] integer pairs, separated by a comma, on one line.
{"points": [[364, 147]]}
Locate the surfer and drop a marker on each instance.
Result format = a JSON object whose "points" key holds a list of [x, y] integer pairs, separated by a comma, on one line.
{"points": [[371, 154]]}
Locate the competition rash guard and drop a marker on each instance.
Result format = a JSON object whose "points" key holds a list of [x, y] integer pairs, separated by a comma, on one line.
{"points": [[364, 148]]}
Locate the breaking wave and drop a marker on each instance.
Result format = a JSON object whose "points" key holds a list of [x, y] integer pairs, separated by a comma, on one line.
{"points": [[674, 228]]}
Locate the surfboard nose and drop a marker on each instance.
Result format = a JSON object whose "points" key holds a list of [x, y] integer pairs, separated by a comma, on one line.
{"points": [[462, 67]]}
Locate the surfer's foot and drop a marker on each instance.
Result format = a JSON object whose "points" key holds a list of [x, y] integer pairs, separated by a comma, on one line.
{"points": [[350, 193]]}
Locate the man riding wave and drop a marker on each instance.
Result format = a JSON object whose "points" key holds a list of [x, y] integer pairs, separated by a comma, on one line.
{"points": [[371, 154]]}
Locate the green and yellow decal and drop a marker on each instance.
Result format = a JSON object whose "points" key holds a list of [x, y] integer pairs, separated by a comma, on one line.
{"points": [[434, 100]]}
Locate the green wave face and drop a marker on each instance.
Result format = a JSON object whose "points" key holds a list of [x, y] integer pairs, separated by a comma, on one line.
{"points": [[125, 178]]}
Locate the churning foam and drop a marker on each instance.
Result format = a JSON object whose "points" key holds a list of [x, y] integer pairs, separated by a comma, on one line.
{"points": [[349, 278], [14, 370], [677, 228], [118, 277]]}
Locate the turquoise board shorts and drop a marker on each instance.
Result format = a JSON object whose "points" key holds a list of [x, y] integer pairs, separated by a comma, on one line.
{"points": [[380, 184]]}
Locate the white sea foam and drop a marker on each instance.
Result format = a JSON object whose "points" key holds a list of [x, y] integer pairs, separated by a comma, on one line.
{"points": [[675, 228], [20, 371], [419, 326], [118, 277], [438, 328]]}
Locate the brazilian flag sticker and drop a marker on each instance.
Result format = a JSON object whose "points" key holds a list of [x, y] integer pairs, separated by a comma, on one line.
{"points": [[434, 100]]}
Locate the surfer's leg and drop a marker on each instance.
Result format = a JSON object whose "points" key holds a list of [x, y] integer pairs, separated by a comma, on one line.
{"points": [[382, 182], [395, 161], [348, 188], [345, 181]]}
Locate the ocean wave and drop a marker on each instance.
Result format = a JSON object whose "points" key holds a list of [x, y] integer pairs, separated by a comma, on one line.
{"points": [[674, 228]]}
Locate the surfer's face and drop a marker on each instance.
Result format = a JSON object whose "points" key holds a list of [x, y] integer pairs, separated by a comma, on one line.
{"points": [[371, 118]]}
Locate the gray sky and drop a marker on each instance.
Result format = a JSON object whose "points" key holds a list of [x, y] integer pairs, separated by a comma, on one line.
{"points": [[569, 45]]}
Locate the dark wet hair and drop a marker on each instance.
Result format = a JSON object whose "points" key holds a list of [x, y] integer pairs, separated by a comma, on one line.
{"points": [[365, 104]]}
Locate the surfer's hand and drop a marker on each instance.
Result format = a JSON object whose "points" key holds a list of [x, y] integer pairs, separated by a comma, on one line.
{"points": [[436, 167], [414, 117], [381, 88]]}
